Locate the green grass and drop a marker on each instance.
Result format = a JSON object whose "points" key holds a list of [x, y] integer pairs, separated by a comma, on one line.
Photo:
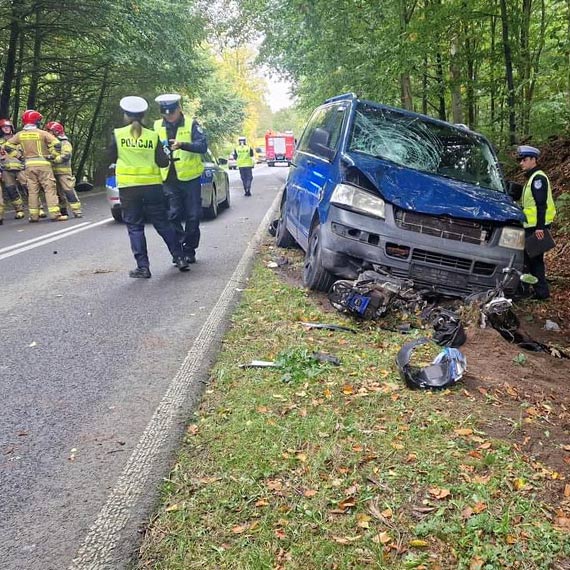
{"points": [[313, 466]]}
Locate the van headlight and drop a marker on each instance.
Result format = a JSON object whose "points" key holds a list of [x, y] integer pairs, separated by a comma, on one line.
{"points": [[358, 200], [512, 238]]}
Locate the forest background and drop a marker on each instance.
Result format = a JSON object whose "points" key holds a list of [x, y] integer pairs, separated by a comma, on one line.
{"points": [[501, 67]]}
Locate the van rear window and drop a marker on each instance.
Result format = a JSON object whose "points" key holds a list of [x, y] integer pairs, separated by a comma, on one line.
{"points": [[429, 146]]}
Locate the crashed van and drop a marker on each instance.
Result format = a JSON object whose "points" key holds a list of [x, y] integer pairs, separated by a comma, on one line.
{"points": [[376, 187]]}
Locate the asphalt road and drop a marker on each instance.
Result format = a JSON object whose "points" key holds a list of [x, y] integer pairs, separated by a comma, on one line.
{"points": [[99, 373]]}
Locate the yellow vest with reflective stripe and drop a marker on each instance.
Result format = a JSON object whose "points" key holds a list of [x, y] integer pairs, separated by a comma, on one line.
{"points": [[529, 205], [244, 157], [64, 167], [136, 164], [189, 164]]}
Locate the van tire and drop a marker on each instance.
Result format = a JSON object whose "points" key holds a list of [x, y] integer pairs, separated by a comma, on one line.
{"points": [[212, 210], [315, 276], [283, 237]]}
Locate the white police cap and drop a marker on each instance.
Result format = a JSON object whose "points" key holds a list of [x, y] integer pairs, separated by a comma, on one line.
{"points": [[133, 105], [526, 150], [168, 100]]}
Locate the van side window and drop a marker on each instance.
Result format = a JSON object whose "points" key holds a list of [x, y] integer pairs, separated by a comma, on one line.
{"points": [[330, 119]]}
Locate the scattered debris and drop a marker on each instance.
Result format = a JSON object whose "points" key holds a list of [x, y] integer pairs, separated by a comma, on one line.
{"points": [[446, 369], [328, 327], [259, 364], [272, 228], [324, 357], [448, 330], [551, 326]]}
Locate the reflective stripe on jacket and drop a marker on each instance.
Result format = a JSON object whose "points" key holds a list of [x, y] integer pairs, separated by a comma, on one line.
{"points": [[136, 164], [244, 157], [529, 205], [62, 163], [189, 164], [7, 162], [36, 145]]}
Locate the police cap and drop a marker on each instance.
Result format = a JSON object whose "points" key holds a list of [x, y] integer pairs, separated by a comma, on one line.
{"points": [[168, 102], [133, 105], [524, 150]]}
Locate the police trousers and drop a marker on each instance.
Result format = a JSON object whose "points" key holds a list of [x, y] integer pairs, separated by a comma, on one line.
{"points": [[138, 203], [185, 211], [246, 175]]}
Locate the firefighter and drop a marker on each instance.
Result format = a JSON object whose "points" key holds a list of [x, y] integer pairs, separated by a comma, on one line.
{"points": [[244, 157], [37, 146], [12, 172], [61, 166], [185, 141], [138, 154]]}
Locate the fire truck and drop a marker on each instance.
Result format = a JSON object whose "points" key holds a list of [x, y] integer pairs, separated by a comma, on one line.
{"points": [[279, 147]]}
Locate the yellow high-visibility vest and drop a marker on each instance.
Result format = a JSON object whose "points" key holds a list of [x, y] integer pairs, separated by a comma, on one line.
{"points": [[244, 157], [189, 164], [136, 164], [529, 205]]}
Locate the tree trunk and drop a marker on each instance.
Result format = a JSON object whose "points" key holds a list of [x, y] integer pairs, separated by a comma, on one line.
{"points": [[509, 75], [84, 156], [18, 89], [9, 70], [36, 62], [455, 71]]}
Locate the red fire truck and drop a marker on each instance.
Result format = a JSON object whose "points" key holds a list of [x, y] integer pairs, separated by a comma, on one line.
{"points": [[279, 147]]}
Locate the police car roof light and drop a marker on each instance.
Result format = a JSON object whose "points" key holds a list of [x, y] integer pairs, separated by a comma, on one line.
{"points": [[342, 97]]}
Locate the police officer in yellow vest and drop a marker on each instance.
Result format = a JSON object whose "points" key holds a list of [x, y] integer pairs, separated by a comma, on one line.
{"points": [[138, 155], [538, 207], [185, 141], [245, 162]]}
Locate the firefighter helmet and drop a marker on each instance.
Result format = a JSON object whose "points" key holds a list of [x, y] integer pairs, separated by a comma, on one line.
{"points": [[56, 128], [6, 123], [31, 117]]}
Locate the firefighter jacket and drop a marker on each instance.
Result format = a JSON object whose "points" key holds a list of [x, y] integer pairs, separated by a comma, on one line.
{"points": [[38, 147], [136, 165], [244, 156], [187, 164], [14, 162], [538, 184], [61, 163]]}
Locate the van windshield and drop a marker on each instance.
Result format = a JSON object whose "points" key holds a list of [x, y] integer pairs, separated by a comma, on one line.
{"points": [[414, 142]]}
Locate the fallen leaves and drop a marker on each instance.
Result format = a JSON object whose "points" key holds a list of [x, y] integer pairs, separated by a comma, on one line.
{"points": [[439, 494]]}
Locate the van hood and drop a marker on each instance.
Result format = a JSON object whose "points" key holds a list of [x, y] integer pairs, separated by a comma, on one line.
{"points": [[430, 194]]}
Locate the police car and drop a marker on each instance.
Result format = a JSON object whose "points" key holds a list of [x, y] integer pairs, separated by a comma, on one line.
{"points": [[215, 189]]}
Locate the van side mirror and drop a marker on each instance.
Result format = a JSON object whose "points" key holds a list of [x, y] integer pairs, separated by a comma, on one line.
{"points": [[318, 143]]}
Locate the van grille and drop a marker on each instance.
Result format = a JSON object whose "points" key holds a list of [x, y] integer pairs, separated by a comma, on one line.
{"points": [[444, 261], [442, 226]]}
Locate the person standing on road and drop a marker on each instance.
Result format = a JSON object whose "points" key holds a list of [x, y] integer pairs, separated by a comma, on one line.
{"points": [[139, 155], [185, 142], [11, 170], [37, 146], [538, 207], [61, 166], [245, 162]]}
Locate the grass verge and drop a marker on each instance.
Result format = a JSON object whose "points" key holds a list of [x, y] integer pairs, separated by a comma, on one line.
{"points": [[312, 465]]}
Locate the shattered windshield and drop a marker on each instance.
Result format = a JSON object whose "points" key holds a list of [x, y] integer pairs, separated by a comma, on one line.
{"points": [[420, 144]]}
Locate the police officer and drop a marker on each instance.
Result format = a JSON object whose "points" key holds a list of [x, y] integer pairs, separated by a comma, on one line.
{"points": [[12, 172], [61, 165], [37, 146], [244, 157], [138, 155], [185, 142], [538, 207]]}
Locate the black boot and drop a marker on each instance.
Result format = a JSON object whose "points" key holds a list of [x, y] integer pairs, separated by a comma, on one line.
{"points": [[182, 264], [140, 273]]}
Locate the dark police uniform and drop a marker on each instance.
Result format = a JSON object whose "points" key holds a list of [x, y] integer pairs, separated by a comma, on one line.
{"points": [[181, 179]]}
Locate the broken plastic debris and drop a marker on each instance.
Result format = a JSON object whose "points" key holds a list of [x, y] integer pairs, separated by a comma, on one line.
{"points": [[328, 327], [259, 364], [551, 326], [324, 357]]}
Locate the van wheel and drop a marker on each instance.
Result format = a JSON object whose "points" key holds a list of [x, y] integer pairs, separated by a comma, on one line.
{"points": [[212, 209], [283, 237], [315, 276]]}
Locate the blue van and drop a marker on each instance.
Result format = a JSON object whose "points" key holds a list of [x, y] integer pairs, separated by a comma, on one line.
{"points": [[375, 187]]}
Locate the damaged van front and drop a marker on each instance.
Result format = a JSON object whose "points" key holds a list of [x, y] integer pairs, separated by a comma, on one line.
{"points": [[373, 187]]}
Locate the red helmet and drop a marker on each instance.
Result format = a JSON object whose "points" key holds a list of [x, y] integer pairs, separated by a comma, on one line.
{"points": [[31, 117], [56, 128], [6, 123]]}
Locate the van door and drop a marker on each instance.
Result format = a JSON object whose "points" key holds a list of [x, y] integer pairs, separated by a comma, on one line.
{"points": [[312, 170]]}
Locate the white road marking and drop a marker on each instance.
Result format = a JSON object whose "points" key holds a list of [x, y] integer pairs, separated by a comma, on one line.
{"points": [[74, 230], [39, 238], [96, 551]]}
